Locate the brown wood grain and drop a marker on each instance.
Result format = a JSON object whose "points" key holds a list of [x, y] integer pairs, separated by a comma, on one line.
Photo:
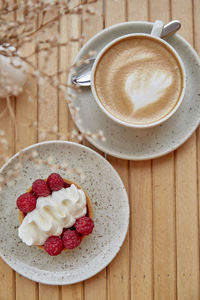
{"points": [[26, 134], [160, 257], [164, 222], [66, 125], [72, 292], [141, 239], [118, 270], [141, 221], [47, 120], [164, 228], [48, 94], [196, 24], [186, 190], [49, 292], [95, 287], [88, 31], [7, 275], [134, 11], [66, 57]]}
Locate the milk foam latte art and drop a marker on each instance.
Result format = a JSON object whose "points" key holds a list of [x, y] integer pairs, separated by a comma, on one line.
{"points": [[139, 80]]}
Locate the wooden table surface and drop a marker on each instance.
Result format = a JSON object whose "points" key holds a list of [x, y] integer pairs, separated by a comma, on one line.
{"points": [[160, 257]]}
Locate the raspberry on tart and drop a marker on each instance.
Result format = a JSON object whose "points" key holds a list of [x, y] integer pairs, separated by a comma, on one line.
{"points": [[26, 202], [84, 225], [41, 188], [71, 239], [53, 245], [55, 182]]}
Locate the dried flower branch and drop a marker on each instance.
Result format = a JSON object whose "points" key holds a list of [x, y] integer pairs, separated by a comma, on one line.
{"points": [[38, 163], [22, 31]]}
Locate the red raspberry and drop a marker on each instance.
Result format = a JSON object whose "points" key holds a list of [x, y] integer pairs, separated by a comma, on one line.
{"points": [[53, 245], [26, 202], [71, 239], [84, 225], [41, 188], [66, 185], [55, 182]]}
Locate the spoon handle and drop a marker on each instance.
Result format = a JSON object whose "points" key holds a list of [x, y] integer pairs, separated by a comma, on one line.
{"points": [[171, 28]]}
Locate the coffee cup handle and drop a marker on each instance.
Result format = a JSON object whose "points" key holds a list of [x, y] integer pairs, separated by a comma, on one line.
{"points": [[157, 28]]}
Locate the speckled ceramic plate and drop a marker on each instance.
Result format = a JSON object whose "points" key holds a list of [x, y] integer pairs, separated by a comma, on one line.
{"points": [[140, 144], [111, 216]]}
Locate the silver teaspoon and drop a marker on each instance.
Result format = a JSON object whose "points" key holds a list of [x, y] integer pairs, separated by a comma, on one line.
{"points": [[83, 71]]}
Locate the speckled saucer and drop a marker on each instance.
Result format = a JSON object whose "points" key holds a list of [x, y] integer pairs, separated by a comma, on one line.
{"points": [[110, 207], [140, 144]]}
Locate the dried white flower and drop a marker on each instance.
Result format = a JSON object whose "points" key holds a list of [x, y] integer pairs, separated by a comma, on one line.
{"points": [[50, 159], [21, 32], [42, 135], [34, 124], [30, 99], [18, 166], [4, 141], [1, 178], [10, 183], [34, 154], [54, 129], [80, 138]]}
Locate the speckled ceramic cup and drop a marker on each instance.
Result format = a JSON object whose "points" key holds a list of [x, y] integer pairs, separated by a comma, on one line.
{"points": [[113, 113]]}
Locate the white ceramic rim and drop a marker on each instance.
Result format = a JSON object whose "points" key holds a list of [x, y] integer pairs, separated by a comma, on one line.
{"points": [[85, 49], [26, 275], [126, 124]]}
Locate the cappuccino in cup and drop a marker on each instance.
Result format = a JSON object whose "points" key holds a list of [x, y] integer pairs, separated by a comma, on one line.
{"points": [[138, 80]]}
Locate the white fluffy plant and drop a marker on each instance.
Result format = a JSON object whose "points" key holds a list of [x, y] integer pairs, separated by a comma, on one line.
{"points": [[19, 31]]}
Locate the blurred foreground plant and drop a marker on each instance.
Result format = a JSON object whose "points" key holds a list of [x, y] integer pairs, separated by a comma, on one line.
{"points": [[32, 24]]}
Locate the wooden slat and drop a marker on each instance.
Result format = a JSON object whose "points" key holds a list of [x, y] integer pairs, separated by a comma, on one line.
{"points": [[7, 275], [187, 222], [141, 254], [47, 120], [70, 27], [95, 287], [26, 114], [48, 292], [186, 190], [47, 94], [25, 288], [91, 24], [72, 292], [182, 10], [7, 279], [66, 57], [88, 31], [164, 227], [159, 10], [196, 10], [137, 10], [115, 12], [118, 270]]}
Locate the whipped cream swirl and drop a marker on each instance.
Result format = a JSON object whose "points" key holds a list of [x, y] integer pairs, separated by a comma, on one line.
{"points": [[53, 213]]}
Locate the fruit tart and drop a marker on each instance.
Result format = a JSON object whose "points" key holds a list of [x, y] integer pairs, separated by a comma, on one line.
{"points": [[55, 214]]}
